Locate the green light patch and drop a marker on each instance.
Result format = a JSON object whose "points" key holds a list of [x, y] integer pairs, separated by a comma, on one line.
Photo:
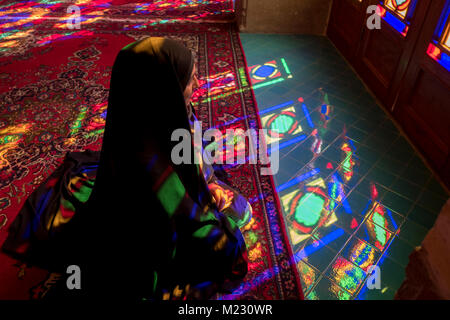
{"points": [[282, 123], [83, 194], [309, 209], [379, 231], [171, 193], [204, 231]]}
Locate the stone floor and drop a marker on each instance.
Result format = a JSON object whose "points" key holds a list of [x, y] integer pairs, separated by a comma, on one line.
{"points": [[354, 192]]}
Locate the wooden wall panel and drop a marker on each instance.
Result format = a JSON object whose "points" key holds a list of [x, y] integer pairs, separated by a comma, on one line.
{"points": [[425, 119], [430, 100], [380, 59], [345, 26]]}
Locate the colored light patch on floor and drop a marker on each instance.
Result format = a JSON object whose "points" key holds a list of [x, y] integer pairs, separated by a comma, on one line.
{"points": [[355, 173], [375, 228], [268, 73], [308, 274], [305, 219], [328, 290], [167, 6], [375, 235], [233, 143], [9, 138], [215, 85], [347, 163], [308, 210], [20, 21], [99, 119], [262, 72], [281, 125], [346, 274], [360, 253]]}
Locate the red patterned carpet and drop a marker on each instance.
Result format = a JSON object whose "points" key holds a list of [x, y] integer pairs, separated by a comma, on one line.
{"points": [[53, 95]]}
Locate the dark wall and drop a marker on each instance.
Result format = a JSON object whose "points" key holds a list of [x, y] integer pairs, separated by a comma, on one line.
{"points": [[284, 16]]}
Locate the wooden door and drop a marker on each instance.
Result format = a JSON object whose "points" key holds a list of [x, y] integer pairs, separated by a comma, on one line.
{"points": [[385, 53], [423, 106], [345, 27]]}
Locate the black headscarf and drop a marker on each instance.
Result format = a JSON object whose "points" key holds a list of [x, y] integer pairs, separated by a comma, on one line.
{"points": [[146, 98]]}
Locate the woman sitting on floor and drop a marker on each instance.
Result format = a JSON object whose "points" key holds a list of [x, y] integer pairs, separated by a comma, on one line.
{"points": [[146, 228]]}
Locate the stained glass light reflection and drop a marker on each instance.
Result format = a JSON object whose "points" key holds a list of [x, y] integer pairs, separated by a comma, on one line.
{"points": [[399, 7]]}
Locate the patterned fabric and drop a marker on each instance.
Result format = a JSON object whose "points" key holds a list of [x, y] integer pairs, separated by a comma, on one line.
{"points": [[239, 209], [55, 103], [51, 206]]}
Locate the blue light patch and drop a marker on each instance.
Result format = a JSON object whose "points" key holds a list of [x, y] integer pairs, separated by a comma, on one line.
{"points": [[264, 71], [394, 22]]}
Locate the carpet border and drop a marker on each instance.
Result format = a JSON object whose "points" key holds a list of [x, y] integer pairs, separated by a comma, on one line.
{"points": [[277, 199]]}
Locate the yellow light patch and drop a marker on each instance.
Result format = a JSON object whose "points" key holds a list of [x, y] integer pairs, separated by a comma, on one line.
{"points": [[319, 182], [266, 118]]}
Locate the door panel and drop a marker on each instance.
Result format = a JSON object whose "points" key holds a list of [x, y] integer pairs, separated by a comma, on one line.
{"points": [[423, 107], [386, 53], [381, 56], [345, 26]]}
